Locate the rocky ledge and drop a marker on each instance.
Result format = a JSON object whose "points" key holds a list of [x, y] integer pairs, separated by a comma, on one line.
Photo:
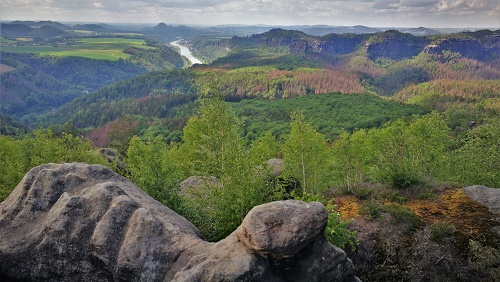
{"points": [[79, 222]]}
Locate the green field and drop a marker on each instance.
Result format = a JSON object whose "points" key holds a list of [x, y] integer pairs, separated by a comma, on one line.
{"points": [[5, 40], [94, 48]]}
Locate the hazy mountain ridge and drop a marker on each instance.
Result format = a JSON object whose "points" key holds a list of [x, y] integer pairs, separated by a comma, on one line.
{"points": [[381, 63]]}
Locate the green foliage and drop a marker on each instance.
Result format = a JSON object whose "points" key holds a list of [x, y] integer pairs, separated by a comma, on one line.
{"points": [[208, 48], [43, 83], [370, 208], [212, 140], [400, 75], [330, 113], [90, 74], [217, 210], [441, 230], [396, 198], [12, 168], [152, 168], [26, 90], [154, 94], [37, 148], [336, 229], [403, 215], [264, 148], [352, 155], [306, 156], [213, 146], [159, 58], [478, 160], [9, 126], [408, 152], [464, 100]]}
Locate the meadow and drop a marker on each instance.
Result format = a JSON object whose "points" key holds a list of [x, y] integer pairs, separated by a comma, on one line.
{"points": [[93, 48]]}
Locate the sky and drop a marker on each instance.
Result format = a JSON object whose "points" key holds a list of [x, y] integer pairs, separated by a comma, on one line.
{"points": [[373, 13]]}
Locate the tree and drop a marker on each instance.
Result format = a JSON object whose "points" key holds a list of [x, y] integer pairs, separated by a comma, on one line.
{"points": [[212, 140], [352, 154], [306, 155], [153, 169], [407, 152], [213, 146], [264, 148], [40, 147], [478, 160], [12, 168]]}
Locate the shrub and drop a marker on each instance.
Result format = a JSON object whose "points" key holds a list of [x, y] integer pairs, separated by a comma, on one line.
{"points": [[485, 258], [396, 198], [370, 208], [403, 215], [362, 193], [441, 230]]}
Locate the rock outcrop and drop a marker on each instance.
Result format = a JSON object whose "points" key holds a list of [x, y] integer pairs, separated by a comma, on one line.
{"points": [[78, 222], [394, 45], [489, 197], [486, 47]]}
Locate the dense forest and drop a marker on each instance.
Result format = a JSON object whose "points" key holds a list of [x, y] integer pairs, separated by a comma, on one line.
{"points": [[385, 118]]}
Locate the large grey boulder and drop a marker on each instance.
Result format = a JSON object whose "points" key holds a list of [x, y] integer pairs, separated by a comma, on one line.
{"points": [[489, 197], [282, 228], [78, 222]]}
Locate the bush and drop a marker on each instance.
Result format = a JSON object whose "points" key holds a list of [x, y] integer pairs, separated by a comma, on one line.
{"points": [[362, 193], [441, 230], [485, 258], [403, 215], [370, 208], [396, 198]]}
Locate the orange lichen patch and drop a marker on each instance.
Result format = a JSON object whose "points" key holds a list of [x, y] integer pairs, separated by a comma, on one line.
{"points": [[348, 206], [470, 218]]}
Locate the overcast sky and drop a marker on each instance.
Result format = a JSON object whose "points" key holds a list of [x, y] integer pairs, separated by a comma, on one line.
{"points": [[375, 13]]}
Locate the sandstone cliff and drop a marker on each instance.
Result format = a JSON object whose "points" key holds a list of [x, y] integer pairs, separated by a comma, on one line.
{"points": [[392, 44]]}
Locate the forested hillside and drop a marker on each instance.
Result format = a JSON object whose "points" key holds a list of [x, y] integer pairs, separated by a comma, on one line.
{"points": [[37, 83]]}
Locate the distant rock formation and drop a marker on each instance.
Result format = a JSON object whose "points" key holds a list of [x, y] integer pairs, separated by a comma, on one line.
{"points": [[79, 222], [487, 48]]}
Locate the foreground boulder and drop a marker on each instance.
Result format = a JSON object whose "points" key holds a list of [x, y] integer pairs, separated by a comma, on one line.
{"points": [[489, 197], [78, 222]]}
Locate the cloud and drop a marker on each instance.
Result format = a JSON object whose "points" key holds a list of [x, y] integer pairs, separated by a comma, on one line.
{"points": [[334, 12]]}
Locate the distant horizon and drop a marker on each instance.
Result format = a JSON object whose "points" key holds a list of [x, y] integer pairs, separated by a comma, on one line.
{"points": [[240, 24], [372, 13]]}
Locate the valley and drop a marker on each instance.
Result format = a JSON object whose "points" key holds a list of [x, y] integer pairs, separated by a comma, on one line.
{"points": [[185, 52]]}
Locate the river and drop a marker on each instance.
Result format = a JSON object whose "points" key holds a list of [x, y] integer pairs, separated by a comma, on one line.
{"points": [[185, 52]]}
